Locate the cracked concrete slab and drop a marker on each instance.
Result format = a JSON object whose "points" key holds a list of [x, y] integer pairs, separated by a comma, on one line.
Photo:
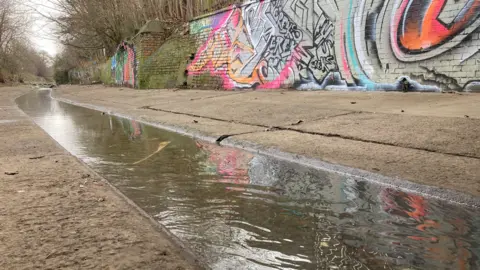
{"points": [[459, 136], [147, 97], [206, 127], [248, 108]]}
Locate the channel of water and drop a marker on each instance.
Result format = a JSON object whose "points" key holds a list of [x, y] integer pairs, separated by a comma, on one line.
{"points": [[239, 210]]}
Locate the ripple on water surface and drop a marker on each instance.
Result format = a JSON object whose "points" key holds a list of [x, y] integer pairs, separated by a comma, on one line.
{"points": [[239, 210]]}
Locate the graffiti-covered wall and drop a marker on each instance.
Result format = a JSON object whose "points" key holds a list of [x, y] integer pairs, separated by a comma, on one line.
{"points": [[124, 65], [422, 45]]}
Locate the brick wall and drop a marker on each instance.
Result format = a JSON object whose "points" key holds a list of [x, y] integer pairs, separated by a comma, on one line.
{"points": [[410, 45], [165, 68]]}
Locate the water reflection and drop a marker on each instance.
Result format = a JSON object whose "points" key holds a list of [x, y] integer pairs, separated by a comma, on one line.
{"points": [[238, 210]]}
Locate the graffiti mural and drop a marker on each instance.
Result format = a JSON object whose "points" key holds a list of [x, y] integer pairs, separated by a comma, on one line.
{"points": [[387, 45], [124, 65]]}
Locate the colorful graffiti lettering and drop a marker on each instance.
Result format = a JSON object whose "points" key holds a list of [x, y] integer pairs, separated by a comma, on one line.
{"points": [[259, 45], [124, 65], [430, 31], [351, 44]]}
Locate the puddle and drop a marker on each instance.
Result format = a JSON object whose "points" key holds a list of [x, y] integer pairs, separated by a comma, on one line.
{"points": [[238, 210]]}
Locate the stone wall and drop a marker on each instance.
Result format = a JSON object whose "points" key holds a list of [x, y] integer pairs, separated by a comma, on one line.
{"points": [[411, 45]]}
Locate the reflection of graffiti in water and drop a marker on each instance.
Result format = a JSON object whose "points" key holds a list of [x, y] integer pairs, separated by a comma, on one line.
{"points": [[132, 128], [446, 248], [231, 164]]}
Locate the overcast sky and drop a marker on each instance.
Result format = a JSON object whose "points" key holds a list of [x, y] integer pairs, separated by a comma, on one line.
{"points": [[42, 29]]}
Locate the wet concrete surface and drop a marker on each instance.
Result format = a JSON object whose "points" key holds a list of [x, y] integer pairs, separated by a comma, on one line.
{"points": [[240, 210], [425, 138], [56, 213]]}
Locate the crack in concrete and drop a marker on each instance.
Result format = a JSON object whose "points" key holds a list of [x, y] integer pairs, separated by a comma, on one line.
{"points": [[351, 138], [216, 96], [204, 117], [330, 117], [324, 134]]}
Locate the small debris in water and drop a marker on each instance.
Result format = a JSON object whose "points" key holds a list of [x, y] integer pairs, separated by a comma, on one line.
{"points": [[195, 121], [39, 157], [82, 186], [11, 173], [403, 111], [86, 175], [466, 116], [101, 200], [161, 146], [353, 102]]}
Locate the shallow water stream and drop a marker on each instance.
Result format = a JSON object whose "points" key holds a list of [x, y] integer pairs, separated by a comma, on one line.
{"points": [[238, 210]]}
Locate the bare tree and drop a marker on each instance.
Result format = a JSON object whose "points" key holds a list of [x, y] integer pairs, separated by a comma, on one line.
{"points": [[17, 56]]}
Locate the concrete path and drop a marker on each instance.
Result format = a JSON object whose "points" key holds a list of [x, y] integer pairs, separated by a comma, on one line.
{"points": [[57, 214], [427, 138]]}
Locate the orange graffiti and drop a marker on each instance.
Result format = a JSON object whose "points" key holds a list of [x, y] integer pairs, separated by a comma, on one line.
{"points": [[239, 49], [214, 55], [430, 31]]}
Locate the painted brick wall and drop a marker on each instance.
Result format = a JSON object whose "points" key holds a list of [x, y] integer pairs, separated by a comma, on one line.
{"points": [[413, 45], [212, 57]]}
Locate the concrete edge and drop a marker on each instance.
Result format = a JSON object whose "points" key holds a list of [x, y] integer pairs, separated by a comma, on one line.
{"points": [[448, 195], [438, 193], [183, 250]]}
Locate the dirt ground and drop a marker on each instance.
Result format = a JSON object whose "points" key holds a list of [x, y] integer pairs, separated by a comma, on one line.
{"points": [[428, 138], [56, 214]]}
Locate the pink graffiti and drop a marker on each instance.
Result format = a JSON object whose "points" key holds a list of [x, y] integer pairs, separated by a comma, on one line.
{"points": [[221, 54], [343, 51]]}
